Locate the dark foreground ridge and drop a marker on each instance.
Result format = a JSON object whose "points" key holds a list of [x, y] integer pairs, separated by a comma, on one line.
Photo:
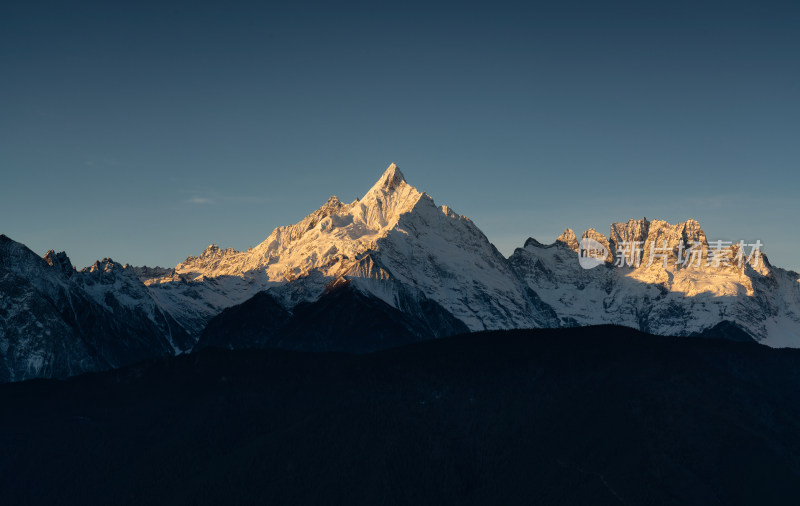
{"points": [[594, 415]]}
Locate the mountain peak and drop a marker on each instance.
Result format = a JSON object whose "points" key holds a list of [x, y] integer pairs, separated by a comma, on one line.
{"points": [[568, 238], [391, 178], [60, 261]]}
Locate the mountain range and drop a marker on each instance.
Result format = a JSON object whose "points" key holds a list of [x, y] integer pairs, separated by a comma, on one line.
{"points": [[387, 269]]}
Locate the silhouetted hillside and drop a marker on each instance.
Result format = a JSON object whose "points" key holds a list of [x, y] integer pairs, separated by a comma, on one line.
{"points": [[596, 415]]}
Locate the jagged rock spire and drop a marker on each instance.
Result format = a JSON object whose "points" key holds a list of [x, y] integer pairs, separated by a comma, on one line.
{"points": [[568, 238], [60, 261]]}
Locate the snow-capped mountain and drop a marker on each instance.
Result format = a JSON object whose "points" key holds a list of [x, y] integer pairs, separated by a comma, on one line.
{"points": [[389, 268], [394, 244], [663, 296], [57, 322]]}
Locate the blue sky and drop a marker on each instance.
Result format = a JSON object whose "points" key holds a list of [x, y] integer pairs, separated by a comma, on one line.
{"points": [[145, 132]]}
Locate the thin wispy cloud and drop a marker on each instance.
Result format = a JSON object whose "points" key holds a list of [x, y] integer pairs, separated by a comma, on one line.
{"points": [[198, 200], [200, 196]]}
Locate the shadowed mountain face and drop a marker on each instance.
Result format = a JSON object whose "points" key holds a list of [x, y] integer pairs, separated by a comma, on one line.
{"points": [[343, 319], [58, 322], [598, 415]]}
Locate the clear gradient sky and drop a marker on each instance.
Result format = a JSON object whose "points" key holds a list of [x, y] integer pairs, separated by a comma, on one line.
{"points": [[146, 131]]}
